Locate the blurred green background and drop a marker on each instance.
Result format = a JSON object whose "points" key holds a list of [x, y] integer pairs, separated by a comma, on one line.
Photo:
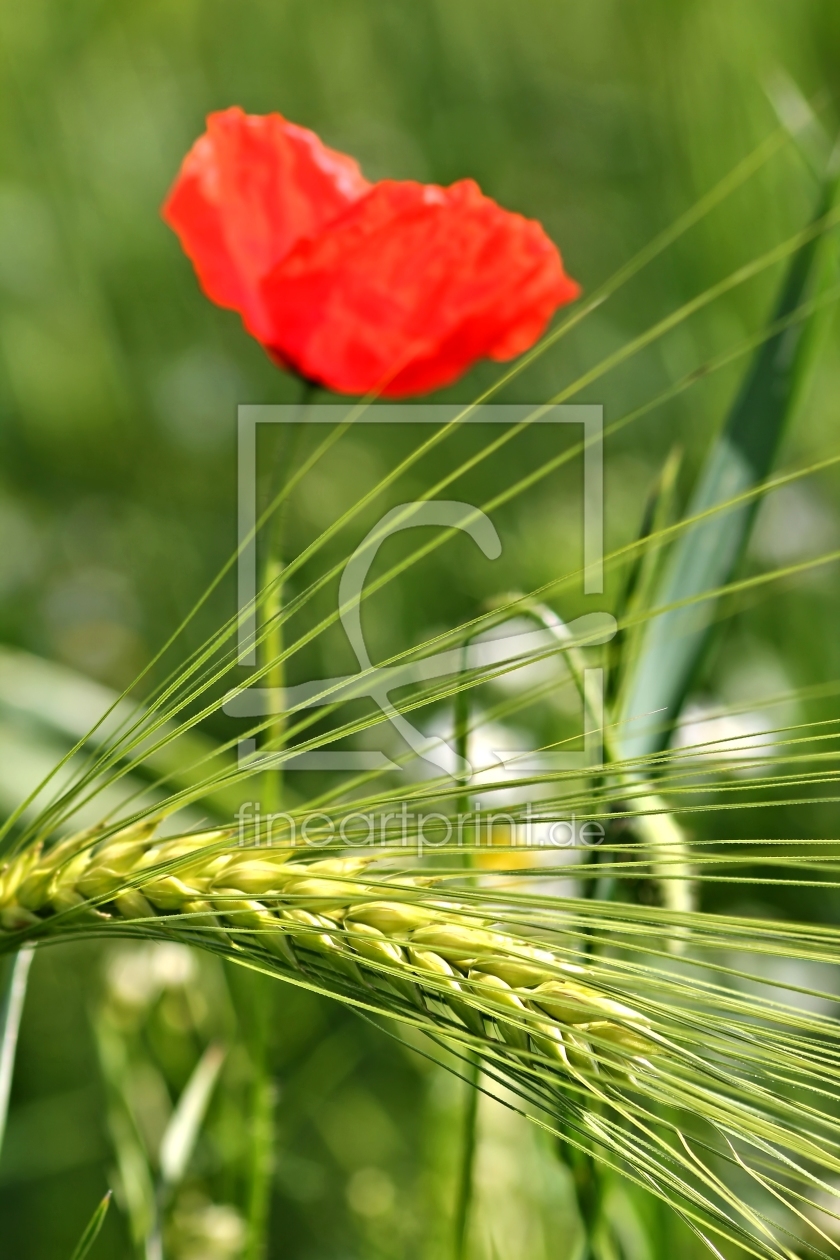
{"points": [[118, 392]]}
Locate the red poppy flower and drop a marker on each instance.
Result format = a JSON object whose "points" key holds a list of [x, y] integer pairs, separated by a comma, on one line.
{"points": [[394, 288]]}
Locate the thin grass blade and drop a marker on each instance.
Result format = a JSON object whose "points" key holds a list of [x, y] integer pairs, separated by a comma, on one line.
{"points": [[91, 1233]]}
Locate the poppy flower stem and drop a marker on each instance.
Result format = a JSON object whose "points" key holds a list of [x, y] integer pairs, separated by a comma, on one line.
{"points": [[272, 647], [272, 621]]}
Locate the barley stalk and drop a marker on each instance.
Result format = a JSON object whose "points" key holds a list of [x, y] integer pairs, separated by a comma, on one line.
{"points": [[318, 919]]}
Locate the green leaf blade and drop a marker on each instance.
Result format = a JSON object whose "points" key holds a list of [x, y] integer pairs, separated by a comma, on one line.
{"points": [[11, 1014], [706, 556], [92, 1229], [183, 1129]]}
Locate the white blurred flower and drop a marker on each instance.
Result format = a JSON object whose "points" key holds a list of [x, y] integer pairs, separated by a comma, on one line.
{"points": [[711, 734], [748, 720], [136, 976], [207, 1231], [793, 523]]}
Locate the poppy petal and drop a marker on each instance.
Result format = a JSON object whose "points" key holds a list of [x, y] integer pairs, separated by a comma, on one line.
{"points": [[250, 189], [409, 287]]}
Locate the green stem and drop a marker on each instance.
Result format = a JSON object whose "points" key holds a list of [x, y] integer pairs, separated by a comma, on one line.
{"points": [[153, 1245], [586, 1176], [469, 1138], [272, 650], [264, 1099], [462, 739], [466, 1172], [274, 736]]}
